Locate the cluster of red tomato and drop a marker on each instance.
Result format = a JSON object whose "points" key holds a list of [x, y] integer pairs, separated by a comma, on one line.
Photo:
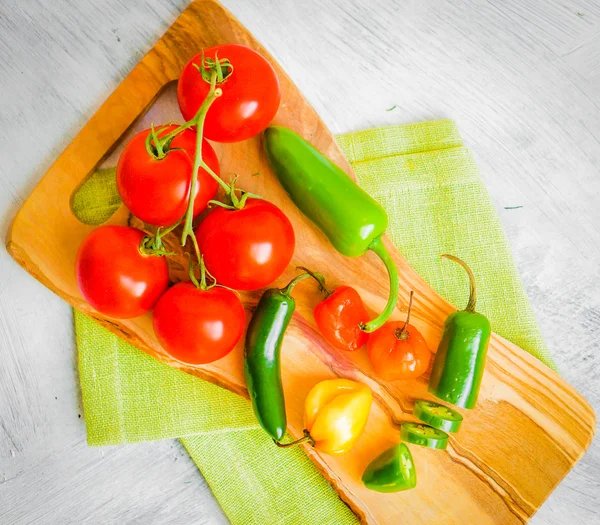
{"points": [[246, 243]]}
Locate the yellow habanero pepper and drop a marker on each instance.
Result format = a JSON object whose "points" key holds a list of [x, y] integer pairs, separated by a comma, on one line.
{"points": [[335, 414]]}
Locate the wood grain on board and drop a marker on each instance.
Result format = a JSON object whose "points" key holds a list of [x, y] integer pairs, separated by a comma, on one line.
{"points": [[530, 426]]}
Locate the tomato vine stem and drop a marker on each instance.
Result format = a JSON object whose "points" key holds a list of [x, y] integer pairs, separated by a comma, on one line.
{"points": [[159, 146], [212, 72], [198, 120]]}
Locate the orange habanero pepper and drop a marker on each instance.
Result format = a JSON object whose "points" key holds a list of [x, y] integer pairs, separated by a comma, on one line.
{"points": [[341, 316]]}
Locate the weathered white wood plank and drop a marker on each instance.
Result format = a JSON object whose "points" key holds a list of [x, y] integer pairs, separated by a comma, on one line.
{"points": [[521, 77]]}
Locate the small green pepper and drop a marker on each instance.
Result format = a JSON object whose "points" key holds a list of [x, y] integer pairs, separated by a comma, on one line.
{"points": [[392, 471], [351, 219], [262, 367], [460, 358], [423, 435], [437, 416]]}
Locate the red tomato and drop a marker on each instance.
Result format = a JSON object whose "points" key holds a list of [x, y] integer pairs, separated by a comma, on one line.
{"points": [[250, 96], [395, 354], [157, 191], [198, 326], [114, 277], [249, 248]]}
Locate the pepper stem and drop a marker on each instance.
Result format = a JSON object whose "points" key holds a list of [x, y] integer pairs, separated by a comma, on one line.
{"points": [[379, 248], [317, 277], [287, 290], [402, 333], [472, 284], [306, 439]]}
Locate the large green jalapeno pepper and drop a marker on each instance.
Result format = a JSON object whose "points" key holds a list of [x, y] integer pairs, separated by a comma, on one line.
{"points": [[460, 358], [262, 355], [352, 220]]}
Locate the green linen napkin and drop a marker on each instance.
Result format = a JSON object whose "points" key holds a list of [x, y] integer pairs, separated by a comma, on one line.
{"points": [[429, 185]]}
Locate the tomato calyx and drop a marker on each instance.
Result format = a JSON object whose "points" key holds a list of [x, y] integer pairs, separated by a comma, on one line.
{"points": [[202, 284], [205, 276], [152, 245], [402, 334], [221, 66], [234, 202], [156, 148]]}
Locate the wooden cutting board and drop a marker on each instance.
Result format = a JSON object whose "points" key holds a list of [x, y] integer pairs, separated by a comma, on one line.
{"points": [[530, 427]]}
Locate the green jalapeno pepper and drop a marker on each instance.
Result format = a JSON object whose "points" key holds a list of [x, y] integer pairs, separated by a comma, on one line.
{"points": [[262, 355], [460, 358], [391, 471], [423, 435], [352, 220], [437, 416]]}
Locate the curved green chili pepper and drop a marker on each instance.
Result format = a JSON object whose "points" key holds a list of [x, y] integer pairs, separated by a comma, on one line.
{"points": [[261, 355], [460, 358], [351, 219]]}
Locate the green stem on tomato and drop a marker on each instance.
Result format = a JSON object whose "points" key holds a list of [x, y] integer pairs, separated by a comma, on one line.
{"points": [[168, 138], [159, 147], [202, 275], [148, 248], [191, 273], [196, 248], [160, 233], [379, 248], [227, 187], [219, 70], [153, 245], [202, 284]]}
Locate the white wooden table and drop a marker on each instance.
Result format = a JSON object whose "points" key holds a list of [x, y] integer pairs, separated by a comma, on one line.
{"points": [[521, 77]]}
